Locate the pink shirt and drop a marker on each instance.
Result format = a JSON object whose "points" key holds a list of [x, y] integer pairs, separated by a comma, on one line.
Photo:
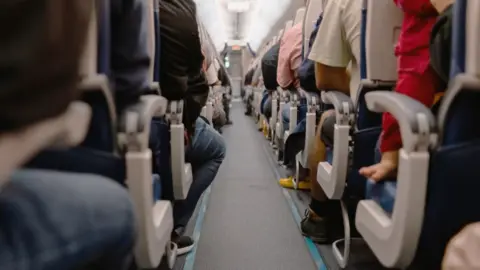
{"points": [[290, 57]]}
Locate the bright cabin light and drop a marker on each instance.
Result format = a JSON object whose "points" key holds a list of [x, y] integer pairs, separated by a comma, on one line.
{"points": [[240, 6]]}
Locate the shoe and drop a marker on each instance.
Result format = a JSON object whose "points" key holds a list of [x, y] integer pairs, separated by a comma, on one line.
{"points": [[315, 228], [288, 183], [184, 243], [229, 122]]}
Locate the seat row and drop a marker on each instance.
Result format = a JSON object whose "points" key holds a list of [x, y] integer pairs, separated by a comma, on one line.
{"points": [[410, 219]]}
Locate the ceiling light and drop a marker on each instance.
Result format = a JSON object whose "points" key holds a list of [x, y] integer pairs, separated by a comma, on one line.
{"points": [[238, 6]]}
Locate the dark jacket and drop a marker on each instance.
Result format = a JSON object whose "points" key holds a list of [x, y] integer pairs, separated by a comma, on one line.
{"points": [[181, 76]]}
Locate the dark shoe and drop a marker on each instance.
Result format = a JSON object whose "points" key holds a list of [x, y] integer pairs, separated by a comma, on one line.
{"points": [[184, 243], [314, 227], [229, 122]]}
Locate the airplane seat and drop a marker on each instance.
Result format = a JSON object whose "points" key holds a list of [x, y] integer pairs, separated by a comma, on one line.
{"points": [[459, 144], [357, 129], [356, 120], [309, 16], [429, 208], [119, 147]]}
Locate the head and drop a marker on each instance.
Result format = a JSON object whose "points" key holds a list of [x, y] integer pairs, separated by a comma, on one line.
{"points": [[42, 42]]}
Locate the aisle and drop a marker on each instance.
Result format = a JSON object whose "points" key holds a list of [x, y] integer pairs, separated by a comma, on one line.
{"points": [[247, 224]]}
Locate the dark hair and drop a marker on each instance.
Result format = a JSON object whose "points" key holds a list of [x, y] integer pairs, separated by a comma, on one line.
{"points": [[40, 51]]}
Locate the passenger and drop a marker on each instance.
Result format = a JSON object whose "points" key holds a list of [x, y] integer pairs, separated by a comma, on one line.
{"points": [[130, 60], [336, 46], [462, 251], [226, 97], [416, 79], [181, 78], [269, 65], [52, 220], [249, 98], [289, 60]]}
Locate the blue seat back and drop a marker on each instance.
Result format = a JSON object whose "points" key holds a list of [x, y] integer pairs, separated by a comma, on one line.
{"points": [[156, 69], [453, 184], [101, 135]]}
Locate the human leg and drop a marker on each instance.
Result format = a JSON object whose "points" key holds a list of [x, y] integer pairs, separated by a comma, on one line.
{"points": [[206, 154], [52, 220], [317, 223]]}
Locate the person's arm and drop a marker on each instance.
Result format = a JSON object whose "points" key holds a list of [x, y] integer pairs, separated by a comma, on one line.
{"points": [[332, 78], [419, 7], [330, 51], [130, 59]]}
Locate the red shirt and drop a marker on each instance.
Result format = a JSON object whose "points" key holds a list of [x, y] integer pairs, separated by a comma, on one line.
{"points": [[416, 78], [412, 48]]}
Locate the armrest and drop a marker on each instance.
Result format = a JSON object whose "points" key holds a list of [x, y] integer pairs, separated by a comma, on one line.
{"points": [[394, 239], [135, 121], [417, 123], [154, 218], [155, 88], [312, 101], [344, 108]]}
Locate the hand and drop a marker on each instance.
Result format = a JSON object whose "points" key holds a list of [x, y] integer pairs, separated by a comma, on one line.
{"points": [[462, 251]]}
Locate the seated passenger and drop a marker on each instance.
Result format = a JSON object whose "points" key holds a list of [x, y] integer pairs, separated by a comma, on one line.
{"points": [[181, 78], [226, 97], [289, 60], [336, 47], [249, 98], [269, 66], [416, 79], [462, 251], [53, 220]]}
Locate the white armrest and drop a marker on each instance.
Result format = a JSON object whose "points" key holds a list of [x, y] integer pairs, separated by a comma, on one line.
{"points": [[279, 125], [155, 219], [293, 113], [394, 239], [181, 171], [310, 121], [68, 129], [209, 111], [274, 118], [332, 177]]}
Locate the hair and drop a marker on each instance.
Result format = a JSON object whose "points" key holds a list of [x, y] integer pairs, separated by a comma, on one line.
{"points": [[42, 43]]}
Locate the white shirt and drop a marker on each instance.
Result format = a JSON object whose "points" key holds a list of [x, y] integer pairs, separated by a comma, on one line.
{"points": [[337, 43]]}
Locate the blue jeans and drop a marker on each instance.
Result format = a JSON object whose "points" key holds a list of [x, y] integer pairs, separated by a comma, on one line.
{"points": [[301, 114], [206, 154], [53, 220]]}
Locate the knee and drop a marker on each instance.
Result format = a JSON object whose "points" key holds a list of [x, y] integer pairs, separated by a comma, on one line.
{"points": [[221, 147]]}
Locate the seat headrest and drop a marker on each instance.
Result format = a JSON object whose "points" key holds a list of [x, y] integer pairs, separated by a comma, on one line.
{"points": [[288, 25], [299, 15], [313, 11], [381, 39]]}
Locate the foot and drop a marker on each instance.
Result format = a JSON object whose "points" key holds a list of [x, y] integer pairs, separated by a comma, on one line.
{"points": [[314, 227], [288, 183], [184, 243], [229, 122]]}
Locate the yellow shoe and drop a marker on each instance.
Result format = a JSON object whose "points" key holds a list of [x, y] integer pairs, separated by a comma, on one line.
{"points": [[288, 183], [265, 130]]}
